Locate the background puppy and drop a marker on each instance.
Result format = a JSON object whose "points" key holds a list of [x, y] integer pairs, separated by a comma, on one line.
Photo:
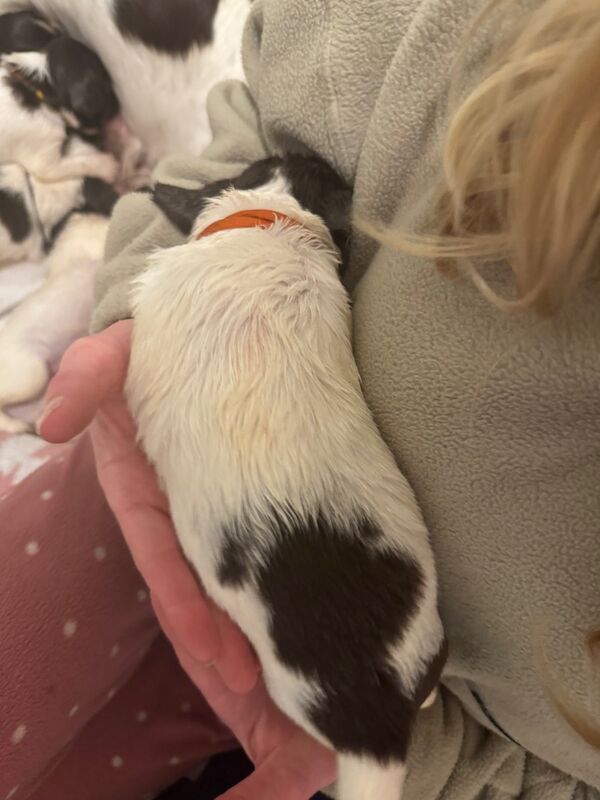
{"points": [[284, 496], [82, 87], [39, 330], [36, 126], [163, 58], [30, 210]]}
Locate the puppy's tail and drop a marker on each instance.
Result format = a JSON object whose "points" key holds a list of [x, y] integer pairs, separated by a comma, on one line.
{"points": [[363, 778]]}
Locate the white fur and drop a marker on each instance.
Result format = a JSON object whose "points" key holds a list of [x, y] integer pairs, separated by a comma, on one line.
{"points": [[361, 779], [40, 329], [46, 205], [244, 387], [163, 97], [34, 138]]}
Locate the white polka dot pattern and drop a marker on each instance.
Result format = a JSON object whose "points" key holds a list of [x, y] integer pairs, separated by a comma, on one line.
{"points": [[100, 553], [19, 734]]}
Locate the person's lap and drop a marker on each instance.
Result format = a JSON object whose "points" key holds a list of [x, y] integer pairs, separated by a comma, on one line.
{"points": [[91, 694]]}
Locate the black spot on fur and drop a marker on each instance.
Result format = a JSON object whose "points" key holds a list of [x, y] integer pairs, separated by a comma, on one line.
{"points": [[182, 206], [81, 83], [319, 189], [338, 603], [57, 230], [313, 183], [24, 31], [99, 197], [14, 216], [170, 26]]}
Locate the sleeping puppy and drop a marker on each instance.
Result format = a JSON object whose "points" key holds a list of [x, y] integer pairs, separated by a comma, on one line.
{"points": [[24, 31], [163, 58], [43, 97], [39, 330], [30, 210], [284, 496]]}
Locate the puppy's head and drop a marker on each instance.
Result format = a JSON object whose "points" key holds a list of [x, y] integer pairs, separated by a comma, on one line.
{"points": [[81, 84], [311, 182], [24, 31]]}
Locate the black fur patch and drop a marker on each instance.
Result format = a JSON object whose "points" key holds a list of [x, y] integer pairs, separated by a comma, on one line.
{"points": [[14, 216], [81, 83], [57, 230], [338, 604], [314, 184], [23, 31], [98, 197], [170, 26], [182, 206], [319, 189]]}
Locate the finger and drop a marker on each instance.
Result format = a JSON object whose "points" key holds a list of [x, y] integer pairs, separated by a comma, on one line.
{"points": [[92, 370], [197, 648], [235, 710], [237, 663], [130, 487], [287, 774], [236, 666]]}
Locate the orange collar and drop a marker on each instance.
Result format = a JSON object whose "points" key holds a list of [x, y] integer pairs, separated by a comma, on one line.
{"points": [[251, 218]]}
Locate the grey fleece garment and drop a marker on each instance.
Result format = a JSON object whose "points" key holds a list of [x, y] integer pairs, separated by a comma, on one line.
{"points": [[493, 417]]}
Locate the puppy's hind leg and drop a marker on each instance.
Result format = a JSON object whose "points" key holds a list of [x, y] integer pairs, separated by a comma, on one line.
{"points": [[23, 377], [63, 168]]}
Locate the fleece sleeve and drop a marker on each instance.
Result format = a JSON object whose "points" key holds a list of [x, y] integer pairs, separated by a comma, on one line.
{"points": [[138, 228]]}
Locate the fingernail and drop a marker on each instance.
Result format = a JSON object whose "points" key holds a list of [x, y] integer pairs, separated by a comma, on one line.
{"points": [[48, 409]]}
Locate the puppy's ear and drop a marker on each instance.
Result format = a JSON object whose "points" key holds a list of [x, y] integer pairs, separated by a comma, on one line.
{"points": [[180, 206]]}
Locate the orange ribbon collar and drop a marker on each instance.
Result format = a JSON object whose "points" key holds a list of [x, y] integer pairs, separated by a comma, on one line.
{"points": [[251, 218]]}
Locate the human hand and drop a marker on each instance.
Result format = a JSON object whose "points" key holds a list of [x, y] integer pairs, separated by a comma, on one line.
{"points": [[88, 390]]}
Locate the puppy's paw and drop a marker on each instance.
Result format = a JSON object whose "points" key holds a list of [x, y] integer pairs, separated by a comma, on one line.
{"points": [[11, 425], [106, 168]]}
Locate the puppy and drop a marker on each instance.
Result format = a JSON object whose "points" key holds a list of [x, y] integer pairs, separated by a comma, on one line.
{"points": [[82, 86], [40, 329], [284, 496], [30, 210], [163, 58], [24, 31], [43, 97]]}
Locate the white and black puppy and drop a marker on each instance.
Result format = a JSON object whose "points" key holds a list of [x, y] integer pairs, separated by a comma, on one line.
{"points": [[46, 95], [163, 58], [31, 211], [35, 335], [284, 496]]}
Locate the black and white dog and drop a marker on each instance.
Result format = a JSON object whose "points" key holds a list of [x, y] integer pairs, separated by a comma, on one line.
{"points": [[47, 95], [68, 221], [163, 58], [285, 498]]}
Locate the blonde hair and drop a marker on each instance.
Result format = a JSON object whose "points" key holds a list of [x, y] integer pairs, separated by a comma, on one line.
{"points": [[521, 184], [521, 163]]}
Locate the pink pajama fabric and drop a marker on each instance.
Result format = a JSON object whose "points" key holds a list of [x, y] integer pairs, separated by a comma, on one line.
{"points": [[93, 703]]}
